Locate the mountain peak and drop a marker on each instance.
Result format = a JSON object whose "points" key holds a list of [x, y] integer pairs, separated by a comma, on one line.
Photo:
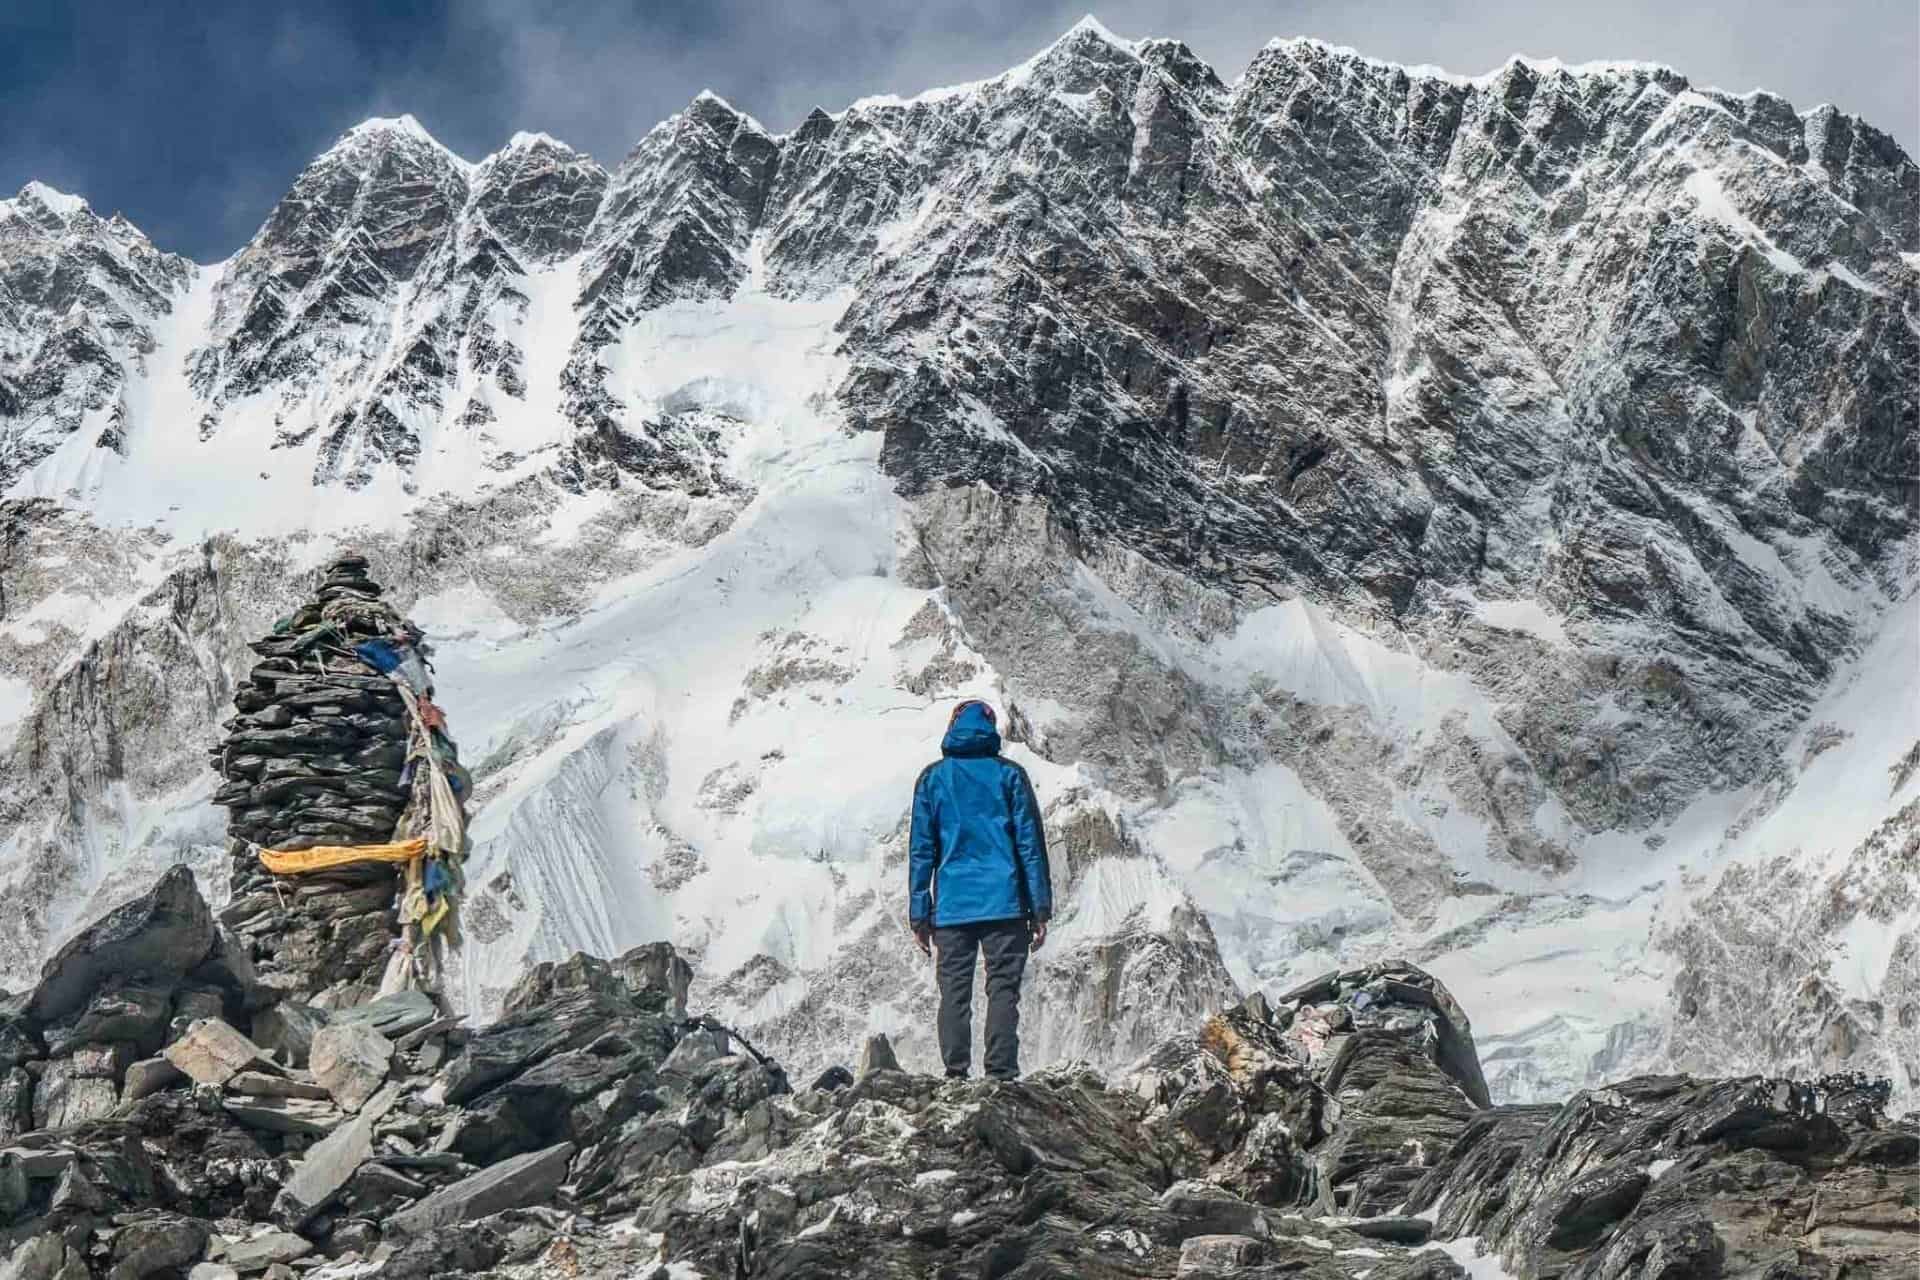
{"points": [[524, 140], [55, 202], [402, 129], [1090, 26]]}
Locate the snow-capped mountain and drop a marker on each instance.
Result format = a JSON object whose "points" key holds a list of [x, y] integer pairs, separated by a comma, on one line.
{"points": [[1399, 513]]}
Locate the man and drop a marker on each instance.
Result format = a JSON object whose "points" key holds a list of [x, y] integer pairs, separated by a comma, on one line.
{"points": [[977, 880]]}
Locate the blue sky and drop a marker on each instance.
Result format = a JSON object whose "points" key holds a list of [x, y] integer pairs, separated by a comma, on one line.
{"points": [[193, 118]]}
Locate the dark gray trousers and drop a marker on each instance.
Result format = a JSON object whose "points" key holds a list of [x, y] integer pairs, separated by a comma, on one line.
{"points": [[1004, 943]]}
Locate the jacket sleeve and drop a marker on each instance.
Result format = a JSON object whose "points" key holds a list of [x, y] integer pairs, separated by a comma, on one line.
{"points": [[922, 854], [1030, 846]]}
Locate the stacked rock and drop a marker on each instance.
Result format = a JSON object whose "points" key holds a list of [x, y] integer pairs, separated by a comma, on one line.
{"points": [[315, 757]]}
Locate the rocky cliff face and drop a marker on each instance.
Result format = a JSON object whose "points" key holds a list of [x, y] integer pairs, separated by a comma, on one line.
{"points": [[1467, 518]]}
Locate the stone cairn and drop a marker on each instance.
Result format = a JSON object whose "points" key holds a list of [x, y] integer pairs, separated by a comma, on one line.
{"points": [[315, 757]]}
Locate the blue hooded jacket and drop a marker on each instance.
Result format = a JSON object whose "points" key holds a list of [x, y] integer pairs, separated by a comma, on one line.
{"points": [[978, 850]]}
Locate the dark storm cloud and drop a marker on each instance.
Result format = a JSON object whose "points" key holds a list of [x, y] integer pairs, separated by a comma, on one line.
{"points": [[193, 118]]}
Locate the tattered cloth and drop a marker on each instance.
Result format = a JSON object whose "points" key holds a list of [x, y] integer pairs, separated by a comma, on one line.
{"points": [[300, 862]]}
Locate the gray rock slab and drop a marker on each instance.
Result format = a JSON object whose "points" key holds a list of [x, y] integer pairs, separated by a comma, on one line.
{"points": [[330, 1163], [511, 1184], [351, 1060], [213, 1053]]}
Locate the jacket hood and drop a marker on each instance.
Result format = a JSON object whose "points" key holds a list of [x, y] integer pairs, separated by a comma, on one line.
{"points": [[971, 734]]}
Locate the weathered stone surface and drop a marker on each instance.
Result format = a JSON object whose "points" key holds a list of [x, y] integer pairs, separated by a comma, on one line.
{"points": [[1398, 1230], [258, 1084], [329, 1163], [16, 1103], [286, 1115], [832, 1078], [286, 1030], [657, 967], [212, 1271], [162, 1245], [19, 1042], [190, 1004], [392, 1016], [1209, 1256], [375, 1189], [550, 979], [150, 1076], [877, 1055], [13, 1186], [211, 1052], [45, 1257], [163, 933], [76, 1192], [267, 1249], [697, 1048], [1698, 1173], [230, 968], [518, 1040], [125, 1013], [64, 1096], [350, 1058], [521, 1180]]}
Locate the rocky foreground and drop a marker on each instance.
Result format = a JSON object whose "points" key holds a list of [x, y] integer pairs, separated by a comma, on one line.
{"points": [[165, 1114]]}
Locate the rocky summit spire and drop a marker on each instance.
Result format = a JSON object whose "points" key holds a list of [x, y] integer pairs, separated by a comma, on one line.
{"points": [[315, 757]]}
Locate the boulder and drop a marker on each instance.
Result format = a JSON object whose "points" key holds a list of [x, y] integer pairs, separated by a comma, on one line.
{"points": [[657, 967], [18, 1043], [39, 1162], [392, 1016], [351, 1060], [69, 1094], [374, 1188], [458, 1249], [212, 1271], [45, 1257], [149, 1076], [1204, 1209], [287, 1029], [521, 1180], [131, 1014], [330, 1163], [211, 1052], [517, 1041], [877, 1055], [1213, 1255], [258, 1084], [269, 1248], [439, 1028], [13, 1186], [229, 967], [160, 1245], [16, 1103], [163, 933], [1397, 1230], [832, 1078], [286, 1115], [551, 979], [75, 1192], [697, 1048], [190, 1004]]}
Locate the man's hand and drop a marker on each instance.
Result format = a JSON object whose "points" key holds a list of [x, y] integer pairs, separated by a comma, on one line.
{"points": [[923, 937], [1039, 928]]}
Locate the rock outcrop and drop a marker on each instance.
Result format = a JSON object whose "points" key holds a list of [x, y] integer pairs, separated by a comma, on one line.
{"points": [[595, 1131]]}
